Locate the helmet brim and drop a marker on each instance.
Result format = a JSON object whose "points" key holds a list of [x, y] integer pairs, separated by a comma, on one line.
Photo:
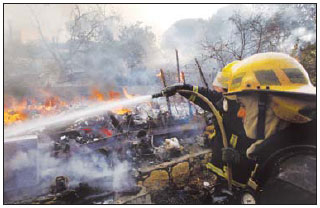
{"points": [[307, 93]]}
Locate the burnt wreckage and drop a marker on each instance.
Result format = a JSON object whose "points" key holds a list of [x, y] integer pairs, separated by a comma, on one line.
{"points": [[124, 159]]}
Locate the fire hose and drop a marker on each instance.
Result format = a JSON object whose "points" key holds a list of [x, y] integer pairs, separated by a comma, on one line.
{"points": [[220, 124]]}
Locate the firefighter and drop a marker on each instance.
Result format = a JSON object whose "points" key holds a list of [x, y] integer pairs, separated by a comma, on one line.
{"points": [[242, 166], [278, 110]]}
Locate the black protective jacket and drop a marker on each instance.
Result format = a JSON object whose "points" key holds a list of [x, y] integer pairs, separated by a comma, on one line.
{"points": [[235, 135], [295, 134], [287, 159], [287, 166]]}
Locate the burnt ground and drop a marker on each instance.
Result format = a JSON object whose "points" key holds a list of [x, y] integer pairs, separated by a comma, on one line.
{"points": [[194, 191]]}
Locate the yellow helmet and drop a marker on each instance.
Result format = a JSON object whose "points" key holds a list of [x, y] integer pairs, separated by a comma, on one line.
{"points": [[283, 77], [271, 72], [293, 110], [222, 79]]}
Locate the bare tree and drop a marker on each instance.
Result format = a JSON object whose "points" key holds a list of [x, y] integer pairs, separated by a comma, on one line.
{"points": [[242, 33], [217, 51], [251, 34], [84, 29], [56, 55]]}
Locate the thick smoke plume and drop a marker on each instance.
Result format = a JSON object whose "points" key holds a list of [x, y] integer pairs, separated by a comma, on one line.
{"points": [[93, 46]]}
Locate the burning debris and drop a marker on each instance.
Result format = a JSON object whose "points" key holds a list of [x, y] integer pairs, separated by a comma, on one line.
{"points": [[49, 104], [143, 136]]}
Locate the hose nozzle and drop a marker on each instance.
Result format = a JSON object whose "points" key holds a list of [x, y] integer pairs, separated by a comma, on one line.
{"points": [[160, 94]]}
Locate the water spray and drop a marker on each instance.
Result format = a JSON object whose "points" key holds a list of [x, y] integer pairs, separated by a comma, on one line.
{"points": [[69, 116]]}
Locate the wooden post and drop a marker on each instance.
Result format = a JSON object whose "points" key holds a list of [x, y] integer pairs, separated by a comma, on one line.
{"points": [[182, 77], [165, 85], [201, 74], [178, 68], [184, 82]]}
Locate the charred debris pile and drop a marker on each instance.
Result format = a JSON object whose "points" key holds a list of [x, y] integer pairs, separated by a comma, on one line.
{"points": [[124, 156], [147, 143]]}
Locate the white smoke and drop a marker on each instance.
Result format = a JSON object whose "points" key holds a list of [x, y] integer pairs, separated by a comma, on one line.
{"points": [[21, 160], [77, 168], [85, 167], [121, 178]]}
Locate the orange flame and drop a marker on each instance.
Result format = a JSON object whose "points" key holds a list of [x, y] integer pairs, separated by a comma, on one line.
{"points": [[53, 102], [11, 117], [121, 111], [161, 76], [182, 78], [46, 103], [96, 95], [114, 95], [14, 111], [126, 94]]}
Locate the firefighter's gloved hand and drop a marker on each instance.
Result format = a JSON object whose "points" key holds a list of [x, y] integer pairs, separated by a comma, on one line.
{"points": [[171, 90], [230, 155]]}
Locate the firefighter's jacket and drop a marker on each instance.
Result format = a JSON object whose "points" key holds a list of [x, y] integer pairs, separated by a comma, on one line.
{"points": [[235, 135], [287, 170], [295, 134]]}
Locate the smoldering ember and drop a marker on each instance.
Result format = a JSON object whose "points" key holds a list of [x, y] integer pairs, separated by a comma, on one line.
{"points": [[88, 113]]}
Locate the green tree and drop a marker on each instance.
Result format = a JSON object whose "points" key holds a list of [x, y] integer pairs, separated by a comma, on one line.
{"points": [[308, 58]]}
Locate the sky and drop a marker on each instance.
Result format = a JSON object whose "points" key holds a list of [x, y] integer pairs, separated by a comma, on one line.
{"points": [[54, 16], [161, 16]]}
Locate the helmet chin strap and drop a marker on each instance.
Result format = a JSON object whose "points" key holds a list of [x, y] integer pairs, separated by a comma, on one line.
{"points": [[262, 106]]}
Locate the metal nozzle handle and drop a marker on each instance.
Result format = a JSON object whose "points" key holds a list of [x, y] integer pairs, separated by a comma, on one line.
{"points": [[160, 94]]}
